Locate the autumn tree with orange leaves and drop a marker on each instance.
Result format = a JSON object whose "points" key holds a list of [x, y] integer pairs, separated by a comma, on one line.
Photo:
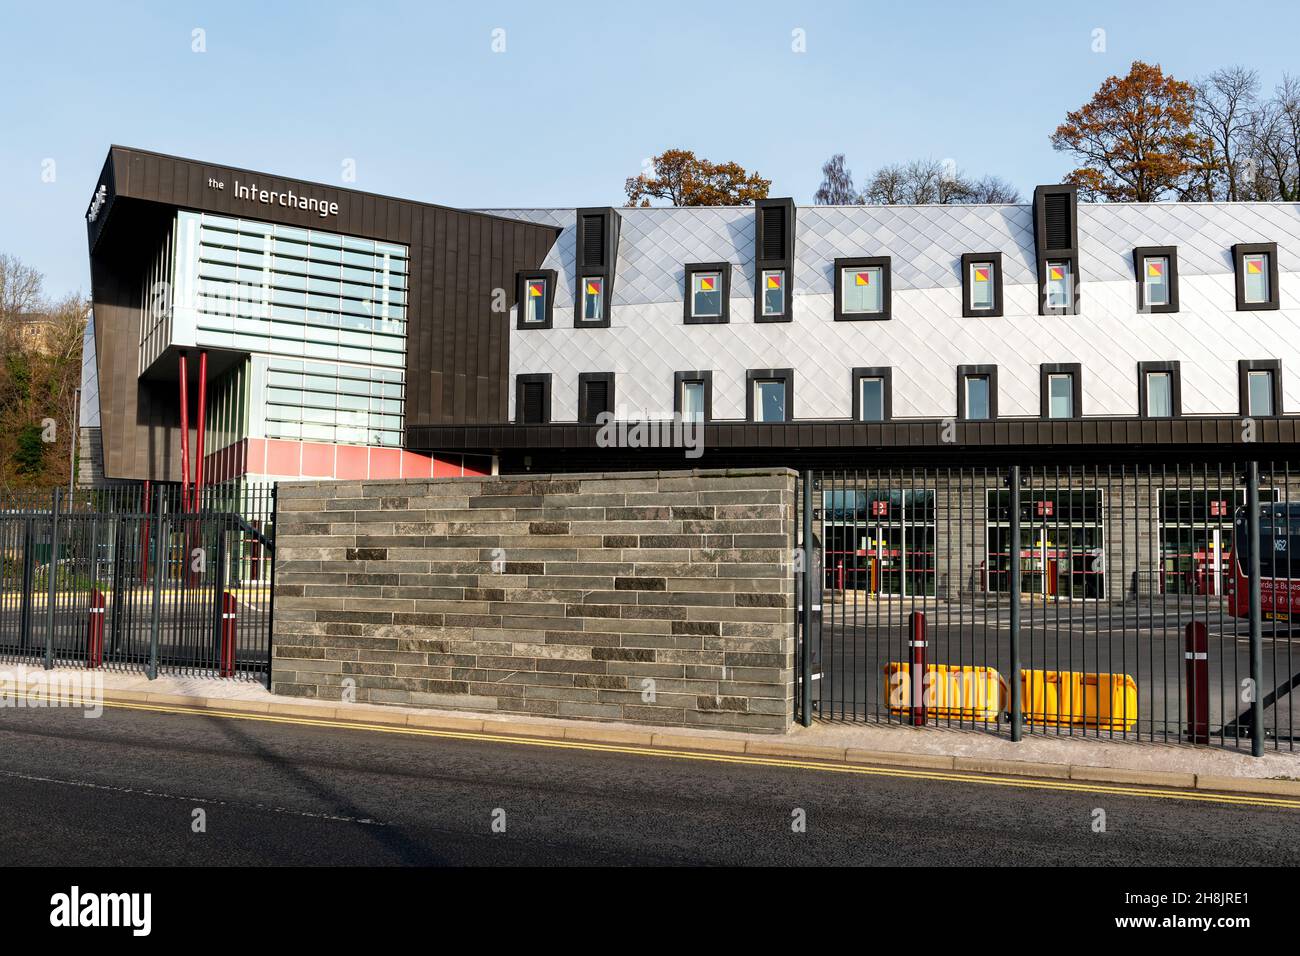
{"points": [[685, 180], [1135, 140]]}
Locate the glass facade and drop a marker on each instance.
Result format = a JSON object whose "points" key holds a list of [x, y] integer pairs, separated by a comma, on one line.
{"points": [[323, 314]]}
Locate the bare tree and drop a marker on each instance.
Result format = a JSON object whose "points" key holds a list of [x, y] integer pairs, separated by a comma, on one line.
{"points": [[929, 181], [837, 184], [1224, 112], [20, 289], [1273, 163]]}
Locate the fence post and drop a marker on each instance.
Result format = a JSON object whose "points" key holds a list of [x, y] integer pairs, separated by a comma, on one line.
{"points": [[1017, 705], [805, 657], [270, 613], [51, 577], [29, 584], [1256, 629], [155, 619], [1198, 683]]}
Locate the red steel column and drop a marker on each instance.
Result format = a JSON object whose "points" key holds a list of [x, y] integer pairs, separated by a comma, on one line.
{"points": [[917, 644], [185, 435], [228, 606], [1198, 683], [203, 414], [95, 630]]}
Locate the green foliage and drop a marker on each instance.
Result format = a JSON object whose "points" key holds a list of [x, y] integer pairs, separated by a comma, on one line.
{"points": [[29, 456]]}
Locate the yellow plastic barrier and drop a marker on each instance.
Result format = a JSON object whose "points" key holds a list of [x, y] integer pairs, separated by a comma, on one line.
{"points": [[1079, 699], [966, 692]]}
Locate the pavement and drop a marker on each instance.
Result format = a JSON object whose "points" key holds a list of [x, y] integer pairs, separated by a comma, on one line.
{"points": [[165, 785], [1175, 767]]}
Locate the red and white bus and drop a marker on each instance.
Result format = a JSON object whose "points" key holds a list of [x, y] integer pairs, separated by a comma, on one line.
{"points": [[1279, 563]]}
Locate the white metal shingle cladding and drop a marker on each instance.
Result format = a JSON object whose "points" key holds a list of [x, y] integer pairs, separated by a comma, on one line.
{"points": [[927, 338]]}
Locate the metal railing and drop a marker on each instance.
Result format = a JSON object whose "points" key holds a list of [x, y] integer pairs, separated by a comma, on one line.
{"points": [[127, 578], [1113, 601]]}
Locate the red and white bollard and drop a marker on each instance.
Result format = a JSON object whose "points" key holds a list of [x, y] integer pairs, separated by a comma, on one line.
{"points": [[228, 605], [917, 644], [1197, 656], [95, 630]]}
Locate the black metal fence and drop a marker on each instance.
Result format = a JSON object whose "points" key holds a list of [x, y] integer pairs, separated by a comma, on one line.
{"points": [[127, 578], [1107, 601]]}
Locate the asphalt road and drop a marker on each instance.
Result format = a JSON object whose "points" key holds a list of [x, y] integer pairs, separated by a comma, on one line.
{"points": [[123, 789]]}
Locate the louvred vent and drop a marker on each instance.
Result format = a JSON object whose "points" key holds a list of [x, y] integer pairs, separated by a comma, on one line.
{"points": [[593, 241], [773, 239], [533, 398], [597, 398], [1056, 212]]}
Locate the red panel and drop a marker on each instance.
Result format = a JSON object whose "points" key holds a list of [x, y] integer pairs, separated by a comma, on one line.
{"points": [[385, 463], [351, 462], [283, 457], [257, 456], [416, 466], [317, 460], [446, 466]]}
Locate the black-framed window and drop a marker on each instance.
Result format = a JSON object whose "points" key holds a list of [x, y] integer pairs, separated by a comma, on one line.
{"points": [[1160, 390], [1259, 387], [862, 289], [873, 394], [977, 392], [769, 395], [1060, 388], [596, 248], [693, 395], [595, 395], [1256, 267], [533, 399], [773, 260], [535, 295], [981, 284], [708, 293], [1156, 270], [1059, 283]]}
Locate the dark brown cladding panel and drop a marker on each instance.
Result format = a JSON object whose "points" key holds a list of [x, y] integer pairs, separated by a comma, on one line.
{"points": [[457, 361]]}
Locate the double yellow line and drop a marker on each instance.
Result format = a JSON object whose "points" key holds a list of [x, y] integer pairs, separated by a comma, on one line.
{"points": [[994, 780]]}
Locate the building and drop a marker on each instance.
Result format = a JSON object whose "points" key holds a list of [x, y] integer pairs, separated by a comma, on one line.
{"points": [[332, 321]]}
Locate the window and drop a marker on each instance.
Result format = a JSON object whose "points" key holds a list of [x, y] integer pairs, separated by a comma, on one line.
{"points": [[771, 395], [1159, 390], [981, 284], [1060, 387], [773, 259], [1060, 286], [862, 289], [871, 394], [595, 249], [693, 395], [708, 292], [977, 392], [1256, 265], [533, 399], [593, 298], [535, 294], [595, 395], [1260, 385], [977, 396], [1156, 268], [773, 285]]}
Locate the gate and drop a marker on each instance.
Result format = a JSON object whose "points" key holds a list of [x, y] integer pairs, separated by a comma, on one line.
{"points": [[129, 579], [1111, 601]]}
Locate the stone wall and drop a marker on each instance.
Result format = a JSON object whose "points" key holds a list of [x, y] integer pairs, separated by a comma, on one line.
{"points": [[655, 598]]}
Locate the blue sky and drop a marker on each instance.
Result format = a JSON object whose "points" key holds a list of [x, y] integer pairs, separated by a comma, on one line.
{"points": [[582, 95]]}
